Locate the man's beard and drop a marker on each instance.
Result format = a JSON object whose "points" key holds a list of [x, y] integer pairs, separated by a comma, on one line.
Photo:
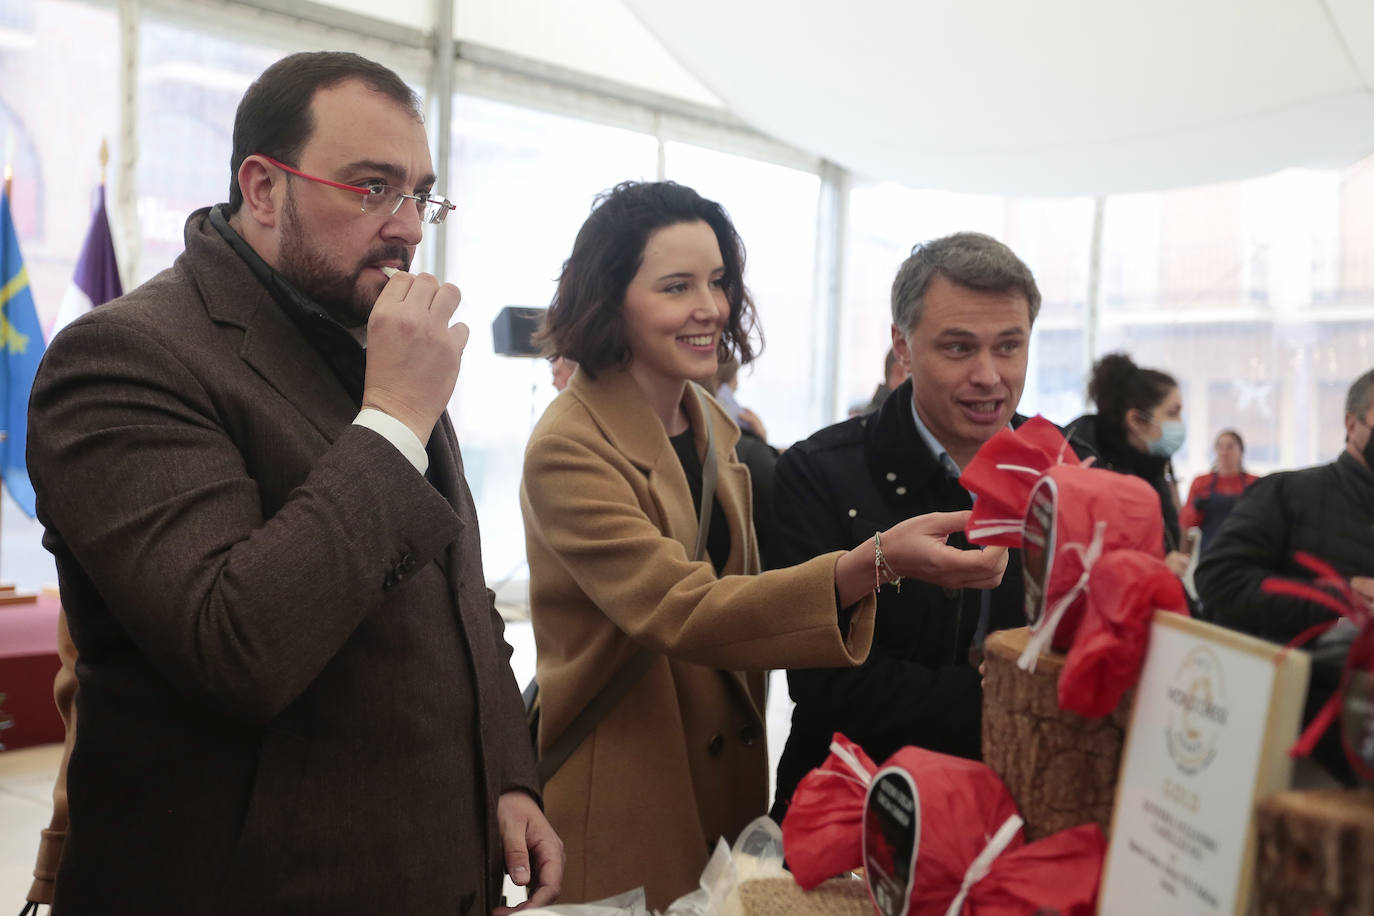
{"points": [[310, 271]]}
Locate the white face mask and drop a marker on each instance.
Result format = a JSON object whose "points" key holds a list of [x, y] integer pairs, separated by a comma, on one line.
{"points": [[1171, 436]]}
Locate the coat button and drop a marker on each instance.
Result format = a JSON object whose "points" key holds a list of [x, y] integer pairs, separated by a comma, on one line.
{"points": [[951, 593], [716, 746], [891, 476], [747, 736], [901, 491], [853, 513]]}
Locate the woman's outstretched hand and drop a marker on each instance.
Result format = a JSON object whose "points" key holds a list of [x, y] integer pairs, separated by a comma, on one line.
{"points": [[917, 549]]}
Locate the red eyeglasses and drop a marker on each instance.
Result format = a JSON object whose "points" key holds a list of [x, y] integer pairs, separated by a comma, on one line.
{"points": [[381, 198]]}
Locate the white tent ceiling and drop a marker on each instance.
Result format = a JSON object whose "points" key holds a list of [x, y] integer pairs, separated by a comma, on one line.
{"points": [[1051, 97]]}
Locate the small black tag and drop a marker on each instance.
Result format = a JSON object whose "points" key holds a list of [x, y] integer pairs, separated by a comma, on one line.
{"points": [[892, 836]]}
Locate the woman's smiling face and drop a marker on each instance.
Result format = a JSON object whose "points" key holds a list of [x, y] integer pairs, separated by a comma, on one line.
{"points": [[676, 307]]}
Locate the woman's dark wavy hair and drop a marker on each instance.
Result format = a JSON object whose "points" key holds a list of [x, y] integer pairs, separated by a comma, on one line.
{"points": [[586, 319], [1119, 386]]}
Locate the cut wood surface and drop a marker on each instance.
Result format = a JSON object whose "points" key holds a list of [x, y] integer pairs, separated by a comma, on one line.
{"points": [[782, 897], [1060, 768], [1316, 853]]}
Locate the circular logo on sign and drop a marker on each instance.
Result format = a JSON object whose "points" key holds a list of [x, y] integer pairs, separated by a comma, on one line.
{"points": [[1197, 710]]}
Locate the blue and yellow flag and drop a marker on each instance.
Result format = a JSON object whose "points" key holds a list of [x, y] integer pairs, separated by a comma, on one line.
{"points": [[21, 347]]}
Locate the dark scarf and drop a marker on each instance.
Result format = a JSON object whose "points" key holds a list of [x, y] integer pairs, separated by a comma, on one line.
{"points": [[341, 352]]}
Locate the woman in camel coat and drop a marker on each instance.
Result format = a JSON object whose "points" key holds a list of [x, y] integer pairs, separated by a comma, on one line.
{"points": [[652, 295]]}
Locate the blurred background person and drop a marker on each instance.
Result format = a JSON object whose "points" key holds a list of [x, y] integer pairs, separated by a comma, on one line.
{"points": [[1137, 429], [1212, 496], [632, 557], [753, 449], [723, 385], [894, 373]]}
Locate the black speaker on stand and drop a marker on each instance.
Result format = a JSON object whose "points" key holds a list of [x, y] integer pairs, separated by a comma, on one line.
{"points": [[513, 330], [512, 333]]}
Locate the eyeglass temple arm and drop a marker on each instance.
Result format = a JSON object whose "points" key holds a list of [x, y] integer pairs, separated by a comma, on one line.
{"points": [[325, 181]]}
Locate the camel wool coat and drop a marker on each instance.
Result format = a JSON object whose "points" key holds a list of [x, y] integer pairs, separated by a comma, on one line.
{"points": [[610, 529]]}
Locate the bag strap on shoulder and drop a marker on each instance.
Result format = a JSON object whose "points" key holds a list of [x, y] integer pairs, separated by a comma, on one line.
{"points": [[630, 673]]}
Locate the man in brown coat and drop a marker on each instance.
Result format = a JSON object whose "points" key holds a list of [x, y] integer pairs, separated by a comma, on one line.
{"points": [[294, 694]]}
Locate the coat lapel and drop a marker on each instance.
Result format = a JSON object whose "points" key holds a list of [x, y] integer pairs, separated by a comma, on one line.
{"points": [[618, 407], [272, 345]]}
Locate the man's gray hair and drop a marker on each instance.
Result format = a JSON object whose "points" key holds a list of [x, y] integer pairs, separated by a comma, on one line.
{"points": [[1361, 395], [969, 259]]}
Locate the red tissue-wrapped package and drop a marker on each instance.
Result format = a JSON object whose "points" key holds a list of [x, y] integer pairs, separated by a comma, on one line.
{"points": [[820, 834], [1125, 588], [1031, 492], [937, 836]]}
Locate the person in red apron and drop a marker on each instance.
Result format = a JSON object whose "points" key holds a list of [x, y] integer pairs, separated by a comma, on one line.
{"points": [[1212, 496]]}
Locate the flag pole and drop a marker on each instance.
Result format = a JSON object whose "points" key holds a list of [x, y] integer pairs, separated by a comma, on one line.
{"points": [[104, 159], [9, 184]]}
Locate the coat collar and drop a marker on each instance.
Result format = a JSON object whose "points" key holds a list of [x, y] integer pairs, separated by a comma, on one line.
{"points": [[620, 410], [1350, 467], [272, 345], [902, 466]]}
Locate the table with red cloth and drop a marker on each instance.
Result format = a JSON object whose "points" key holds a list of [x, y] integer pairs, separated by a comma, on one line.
{"points": [[28, 664]]}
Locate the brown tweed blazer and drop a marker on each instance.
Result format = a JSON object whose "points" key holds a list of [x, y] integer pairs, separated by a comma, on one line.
{"points": [[294, 692], [610, 527]]}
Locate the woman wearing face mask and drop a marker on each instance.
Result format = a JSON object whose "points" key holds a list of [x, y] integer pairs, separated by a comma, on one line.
{"points": [[1212, 496], [1137, 429]]}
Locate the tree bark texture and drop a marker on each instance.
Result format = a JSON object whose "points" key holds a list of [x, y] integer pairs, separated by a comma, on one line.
{"points": [[1316, 853], [782, 897], [1060, 768]]}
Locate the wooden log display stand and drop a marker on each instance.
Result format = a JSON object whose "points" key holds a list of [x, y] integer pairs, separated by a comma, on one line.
{"points": [[1316, 853], [1060, 768]]}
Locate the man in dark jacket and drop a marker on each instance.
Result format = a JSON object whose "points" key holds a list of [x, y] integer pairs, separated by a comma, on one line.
{"points": [[293, 692], [1327, 511], [962, 310]]}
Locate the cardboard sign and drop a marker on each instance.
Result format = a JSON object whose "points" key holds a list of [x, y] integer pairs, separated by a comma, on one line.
{"points": [[1214, 716]]}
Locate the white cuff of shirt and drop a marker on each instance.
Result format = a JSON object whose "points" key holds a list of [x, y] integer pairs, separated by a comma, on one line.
{"points": [[397, 433]]}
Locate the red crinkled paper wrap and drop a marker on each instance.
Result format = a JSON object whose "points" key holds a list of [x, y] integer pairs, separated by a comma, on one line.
{"points": [[1002, 474], [821, 832], [1061, 873], [962, 805], [1125, 588], [1031, 492]]}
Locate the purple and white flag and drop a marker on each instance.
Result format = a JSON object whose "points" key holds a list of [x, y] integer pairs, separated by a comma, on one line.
{"points": [[96, 279]]}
